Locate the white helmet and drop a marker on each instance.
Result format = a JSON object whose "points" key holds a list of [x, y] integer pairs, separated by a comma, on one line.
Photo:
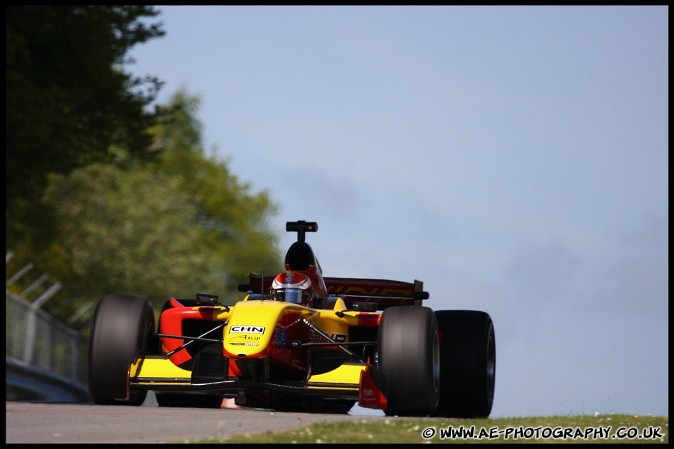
{"points": [[292, 287]]}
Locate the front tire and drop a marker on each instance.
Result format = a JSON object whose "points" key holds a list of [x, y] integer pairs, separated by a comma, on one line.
{"points": [[409, 356], [468, 363], [121, 329]]}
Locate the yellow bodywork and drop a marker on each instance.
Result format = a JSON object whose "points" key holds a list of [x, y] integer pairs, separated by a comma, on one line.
{"points": [[158, 370], [345, 376], [249, 332]]}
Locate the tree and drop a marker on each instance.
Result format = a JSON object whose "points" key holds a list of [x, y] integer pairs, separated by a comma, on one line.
{"points": [[129, 231], [68, 100], [235, 220], [177, 226]]}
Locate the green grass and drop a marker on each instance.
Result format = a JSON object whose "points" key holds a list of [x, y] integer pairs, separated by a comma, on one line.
{"points": [[502, 430]]}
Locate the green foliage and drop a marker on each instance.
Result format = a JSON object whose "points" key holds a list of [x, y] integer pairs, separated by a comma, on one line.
{"points": [[233, 218], [181, 225], [68, 100], [130, 231]]}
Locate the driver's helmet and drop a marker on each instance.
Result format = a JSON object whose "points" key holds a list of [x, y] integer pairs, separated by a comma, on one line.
{"points": [[292, 287]]}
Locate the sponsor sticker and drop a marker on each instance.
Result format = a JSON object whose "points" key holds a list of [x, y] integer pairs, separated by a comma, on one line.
{"points": [[245, 337], [246, 329], [339, 338]]}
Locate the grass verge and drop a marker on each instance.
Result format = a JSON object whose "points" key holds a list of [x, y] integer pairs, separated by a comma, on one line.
{"points": [[395, 430]]}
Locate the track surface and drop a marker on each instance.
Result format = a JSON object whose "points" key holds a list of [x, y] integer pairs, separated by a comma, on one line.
{"points": [[88, 423]]}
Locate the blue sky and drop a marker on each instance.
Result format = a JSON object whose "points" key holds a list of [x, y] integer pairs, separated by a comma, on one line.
{"points": [[513, 158]]}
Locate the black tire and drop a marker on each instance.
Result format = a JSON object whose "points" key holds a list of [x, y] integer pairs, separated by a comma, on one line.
{"points": [[467, 363], [121, 329], [188, 400], [409, 356]]}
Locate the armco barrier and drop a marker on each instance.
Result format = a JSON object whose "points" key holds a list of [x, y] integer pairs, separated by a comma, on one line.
{"points": [[45, 359], [35, 338], [31, 383]]}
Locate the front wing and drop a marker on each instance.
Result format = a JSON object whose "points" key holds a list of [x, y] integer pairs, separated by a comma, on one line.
{"points": [[160, 374]]}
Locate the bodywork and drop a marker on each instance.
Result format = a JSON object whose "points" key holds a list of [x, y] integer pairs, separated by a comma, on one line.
{"points": [[266, 353]]}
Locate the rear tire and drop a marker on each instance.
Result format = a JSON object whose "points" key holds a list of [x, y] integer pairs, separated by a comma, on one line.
{"points": [[467, 363], [409, 356], [121, 329]]}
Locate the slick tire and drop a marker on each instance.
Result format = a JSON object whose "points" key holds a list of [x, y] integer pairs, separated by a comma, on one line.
{"points": [[467, 363], [122, 327], [409, 356]]}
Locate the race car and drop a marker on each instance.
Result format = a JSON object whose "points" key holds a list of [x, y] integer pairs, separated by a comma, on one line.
{"points": [[297, 341]]}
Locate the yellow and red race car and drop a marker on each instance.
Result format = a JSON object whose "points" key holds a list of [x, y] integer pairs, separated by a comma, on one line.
{"points": [[298, 341]]}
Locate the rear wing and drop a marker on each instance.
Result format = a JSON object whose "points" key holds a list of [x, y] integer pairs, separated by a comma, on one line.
{"points": [[383, 292], [380, 292]]}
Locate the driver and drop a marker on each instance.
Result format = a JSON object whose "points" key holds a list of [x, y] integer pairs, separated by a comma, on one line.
{"points": [[292, 287]]}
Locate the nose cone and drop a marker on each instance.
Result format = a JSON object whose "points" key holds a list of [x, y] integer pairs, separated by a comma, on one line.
{"points": [[248, 333]]}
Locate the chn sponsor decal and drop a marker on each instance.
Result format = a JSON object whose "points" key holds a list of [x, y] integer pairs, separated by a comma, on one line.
{"points": [[246, 329]]}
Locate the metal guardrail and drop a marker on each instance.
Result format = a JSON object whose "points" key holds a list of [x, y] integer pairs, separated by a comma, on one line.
{"points": [[45, 359], [35, 338], [25, 382]]}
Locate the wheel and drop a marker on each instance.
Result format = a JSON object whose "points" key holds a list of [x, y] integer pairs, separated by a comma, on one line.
{"points": [[122, 327], [409, 356], [189, 400], [467, 363]]}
